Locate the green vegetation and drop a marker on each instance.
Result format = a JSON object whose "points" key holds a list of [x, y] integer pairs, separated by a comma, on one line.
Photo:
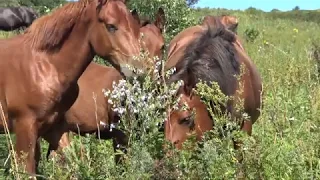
{"points": [[285, 143]]}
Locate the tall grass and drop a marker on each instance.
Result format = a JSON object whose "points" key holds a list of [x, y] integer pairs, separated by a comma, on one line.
{"points": [[285, 143]]}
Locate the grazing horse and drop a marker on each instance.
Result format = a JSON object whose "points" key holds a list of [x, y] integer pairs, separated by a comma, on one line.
{"points": [[38, 82], [12, 18], [212, 55], [230, 22], [88, 115]]}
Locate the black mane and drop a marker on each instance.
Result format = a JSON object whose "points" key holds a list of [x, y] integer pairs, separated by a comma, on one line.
{"points": [[210, 58]]}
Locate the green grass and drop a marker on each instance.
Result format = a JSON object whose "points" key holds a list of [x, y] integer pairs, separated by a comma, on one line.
{"points": [[286, 138]]}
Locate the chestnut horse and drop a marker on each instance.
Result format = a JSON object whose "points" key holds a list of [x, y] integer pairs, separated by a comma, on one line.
{"points": [[88, 115], [230, 22], [40, 68], [211, 55]]}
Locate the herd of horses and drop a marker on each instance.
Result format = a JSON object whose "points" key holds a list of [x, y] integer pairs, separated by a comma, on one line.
{"points": [[46, 86]]}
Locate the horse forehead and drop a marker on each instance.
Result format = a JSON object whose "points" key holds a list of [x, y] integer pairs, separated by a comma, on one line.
{"points": [[151, 32], [116, 10], [185, 100]]}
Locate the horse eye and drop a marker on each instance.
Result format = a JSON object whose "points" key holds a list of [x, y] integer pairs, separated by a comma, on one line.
{"points": [[111, 28], [188, 121]]}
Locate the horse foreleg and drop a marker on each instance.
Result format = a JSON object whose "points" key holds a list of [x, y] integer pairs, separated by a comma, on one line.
{"points": [[57, 137], [26, 142], [38, 153], [246, 127], [53, 147], [5, 124], [120, 142]]}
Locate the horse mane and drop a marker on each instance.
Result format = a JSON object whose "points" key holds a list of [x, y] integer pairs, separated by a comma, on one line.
{"points": [[210, 58], [48, 32]]}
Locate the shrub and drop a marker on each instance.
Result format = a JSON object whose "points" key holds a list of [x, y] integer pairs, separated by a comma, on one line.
{"points": [[178, 15], [251, 34]]}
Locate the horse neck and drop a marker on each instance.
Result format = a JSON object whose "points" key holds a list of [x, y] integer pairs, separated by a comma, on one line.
{"points": [[74, 56]]}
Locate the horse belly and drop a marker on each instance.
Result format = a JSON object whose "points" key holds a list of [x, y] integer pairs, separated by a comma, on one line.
{"points": [[86, 114]]}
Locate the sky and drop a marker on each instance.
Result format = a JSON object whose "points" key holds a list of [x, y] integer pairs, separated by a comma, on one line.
{"points": [[265, 5]]}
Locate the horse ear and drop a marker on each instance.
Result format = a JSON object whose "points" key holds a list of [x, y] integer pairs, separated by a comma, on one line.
{"points": [[160, 19], [135, 16]]}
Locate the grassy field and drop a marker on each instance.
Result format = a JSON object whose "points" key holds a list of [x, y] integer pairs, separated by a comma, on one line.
{"points": [[286, 138]]}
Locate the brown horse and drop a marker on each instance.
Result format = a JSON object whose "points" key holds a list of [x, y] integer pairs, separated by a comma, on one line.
{"points": [[40, 68], [211, 55], [88, 115], [230, 22]]}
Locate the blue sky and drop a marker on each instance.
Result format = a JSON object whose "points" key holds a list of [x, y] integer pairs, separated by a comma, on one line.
{"points": [[265, 5]]}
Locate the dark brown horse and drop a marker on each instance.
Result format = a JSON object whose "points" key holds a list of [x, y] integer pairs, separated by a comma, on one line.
{"points": [[211, 55], [40, 68], [94, 115]]}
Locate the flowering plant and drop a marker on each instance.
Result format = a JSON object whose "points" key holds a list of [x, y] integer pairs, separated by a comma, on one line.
{"points": [[142, 101]]}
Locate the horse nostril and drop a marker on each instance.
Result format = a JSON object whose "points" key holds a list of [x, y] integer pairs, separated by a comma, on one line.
{"points": [[176, 142]]}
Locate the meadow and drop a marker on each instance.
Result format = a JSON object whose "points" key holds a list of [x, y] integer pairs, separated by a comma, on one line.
{"points": [[285, 143]]}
